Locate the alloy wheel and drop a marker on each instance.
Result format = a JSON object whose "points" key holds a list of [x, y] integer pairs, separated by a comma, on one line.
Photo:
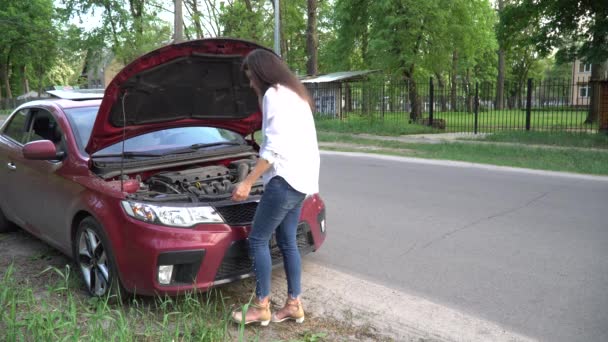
{"points": [[93, 262]]}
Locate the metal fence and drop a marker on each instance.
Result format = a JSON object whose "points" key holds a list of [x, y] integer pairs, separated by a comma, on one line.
{"points": [[547, 105]]}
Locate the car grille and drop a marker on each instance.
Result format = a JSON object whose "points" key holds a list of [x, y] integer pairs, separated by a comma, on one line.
{"points": [[237, 263], [238, 214]]}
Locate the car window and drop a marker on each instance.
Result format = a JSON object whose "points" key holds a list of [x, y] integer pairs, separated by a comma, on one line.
{"points": [[16, 128], [44, 127], [173, 138], [82, 120]]}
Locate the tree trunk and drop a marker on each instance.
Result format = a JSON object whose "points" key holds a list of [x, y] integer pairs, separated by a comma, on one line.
{"points": [[453, 103], [500, 82], [312, 39], [349, 98], [441, 92], [597, 74], [26, 83], [40, 80], [248, 6], [468, 91], [416, 112], [365, 46], [137, 12], [5, 76], [520, 88], [365, 98], [197, 16], [178, 35], [284, 47]]}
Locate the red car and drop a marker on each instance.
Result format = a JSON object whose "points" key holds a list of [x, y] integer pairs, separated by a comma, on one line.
{"points": [[135, 184]]}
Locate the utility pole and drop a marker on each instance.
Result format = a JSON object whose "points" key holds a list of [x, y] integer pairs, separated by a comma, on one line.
{"points": [[277, 26], [178, 31]]}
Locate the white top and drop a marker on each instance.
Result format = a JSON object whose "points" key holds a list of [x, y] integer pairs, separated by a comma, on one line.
{"points": [[290, 140]]}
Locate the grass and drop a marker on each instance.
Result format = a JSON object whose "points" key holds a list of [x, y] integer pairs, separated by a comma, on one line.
{"points": [[516, 119], [61, 314], [5, 111], [373, 124], [569, 160], [563, 139]]}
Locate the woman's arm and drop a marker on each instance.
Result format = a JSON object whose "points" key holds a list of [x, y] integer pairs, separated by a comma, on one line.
{"points": [[271, 105], [242, 190]]}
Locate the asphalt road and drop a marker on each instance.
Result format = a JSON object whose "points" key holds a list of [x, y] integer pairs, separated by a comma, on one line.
{"points": [[526, 251]]}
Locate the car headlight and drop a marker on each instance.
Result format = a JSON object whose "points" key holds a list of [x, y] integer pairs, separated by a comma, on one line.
{"points": [[171, 216]]}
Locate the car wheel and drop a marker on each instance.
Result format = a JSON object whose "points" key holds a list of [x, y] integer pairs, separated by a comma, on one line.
{"points": [[94, 258], [6, 225]]}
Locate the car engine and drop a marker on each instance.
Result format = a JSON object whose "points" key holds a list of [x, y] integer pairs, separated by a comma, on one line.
{"points": [[207, 183]]}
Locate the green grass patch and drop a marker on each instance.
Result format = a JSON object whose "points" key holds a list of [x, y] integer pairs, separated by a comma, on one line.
{"points": [[61, 314], [564, 139], [5, 112], [59, 311], [516, 119], [569, 160], [391, 124]]}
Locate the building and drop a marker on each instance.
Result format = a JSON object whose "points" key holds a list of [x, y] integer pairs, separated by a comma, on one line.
{"points": [[97, 74], [581, 88], [331, 98]]}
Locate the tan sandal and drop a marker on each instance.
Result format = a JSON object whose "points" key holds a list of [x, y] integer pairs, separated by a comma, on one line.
{"points": [[256, 312], [292, 310]]}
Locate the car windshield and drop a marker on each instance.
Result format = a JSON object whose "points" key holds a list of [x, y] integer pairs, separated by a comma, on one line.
{"points": [[163, 141]]}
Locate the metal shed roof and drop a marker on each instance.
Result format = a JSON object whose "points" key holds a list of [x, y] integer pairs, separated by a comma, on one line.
{"points": [[338, 76], [77, 94]]}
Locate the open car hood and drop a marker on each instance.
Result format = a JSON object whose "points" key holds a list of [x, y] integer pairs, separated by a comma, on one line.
{"points": [[195, 83]]}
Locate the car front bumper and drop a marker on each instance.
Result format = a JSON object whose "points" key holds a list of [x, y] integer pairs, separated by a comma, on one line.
{"points": [[202, 257]]}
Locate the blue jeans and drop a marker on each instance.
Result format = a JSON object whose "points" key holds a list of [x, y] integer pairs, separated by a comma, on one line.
{"points": [[278, 210]]}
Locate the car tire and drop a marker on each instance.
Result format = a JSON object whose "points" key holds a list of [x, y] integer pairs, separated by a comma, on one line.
{"points": [[94, 258], [6, 225]]}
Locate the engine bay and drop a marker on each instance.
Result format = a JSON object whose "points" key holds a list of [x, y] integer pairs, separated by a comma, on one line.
{"points": [[196, 183]]}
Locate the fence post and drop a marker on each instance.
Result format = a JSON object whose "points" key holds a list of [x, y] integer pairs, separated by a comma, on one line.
{"points": [[529, 105], [603, 106], [383, 104], [476, 107], [431, 101]]}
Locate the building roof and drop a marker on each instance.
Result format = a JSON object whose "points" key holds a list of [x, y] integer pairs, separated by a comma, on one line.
{"points": [[338, 76]]}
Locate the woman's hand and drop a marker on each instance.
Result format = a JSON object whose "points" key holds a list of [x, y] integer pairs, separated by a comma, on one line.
{"points": [[241, 191]]}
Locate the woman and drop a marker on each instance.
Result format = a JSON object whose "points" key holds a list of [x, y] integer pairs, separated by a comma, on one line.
{"points": [[289, 165]]}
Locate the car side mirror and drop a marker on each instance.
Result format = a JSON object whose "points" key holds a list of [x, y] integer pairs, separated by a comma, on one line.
{"points": [[41, 150]]}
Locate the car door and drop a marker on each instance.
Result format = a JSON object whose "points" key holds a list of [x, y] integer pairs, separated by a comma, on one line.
{"points": [[42, 187], [11, 142]]}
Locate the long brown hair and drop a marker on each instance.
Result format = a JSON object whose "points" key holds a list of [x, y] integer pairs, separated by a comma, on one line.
{"points": [[267, 70]]}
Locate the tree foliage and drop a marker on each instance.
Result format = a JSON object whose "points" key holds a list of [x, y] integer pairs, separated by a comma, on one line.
{"points": [[130, 28], [454, 41], [27, 43], [579, 28]]}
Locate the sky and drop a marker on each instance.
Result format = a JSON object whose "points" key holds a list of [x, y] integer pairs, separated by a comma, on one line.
{"points": [[92, 20]]}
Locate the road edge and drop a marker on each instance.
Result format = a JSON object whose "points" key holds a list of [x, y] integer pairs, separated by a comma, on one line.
{"points": [[461, 164]]}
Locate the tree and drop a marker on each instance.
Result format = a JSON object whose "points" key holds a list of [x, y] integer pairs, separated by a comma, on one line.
{"points": [[131, 27], [247, 20], [579, 28], [27, 41], [312, 39], [500, 82], [414, 39]]}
